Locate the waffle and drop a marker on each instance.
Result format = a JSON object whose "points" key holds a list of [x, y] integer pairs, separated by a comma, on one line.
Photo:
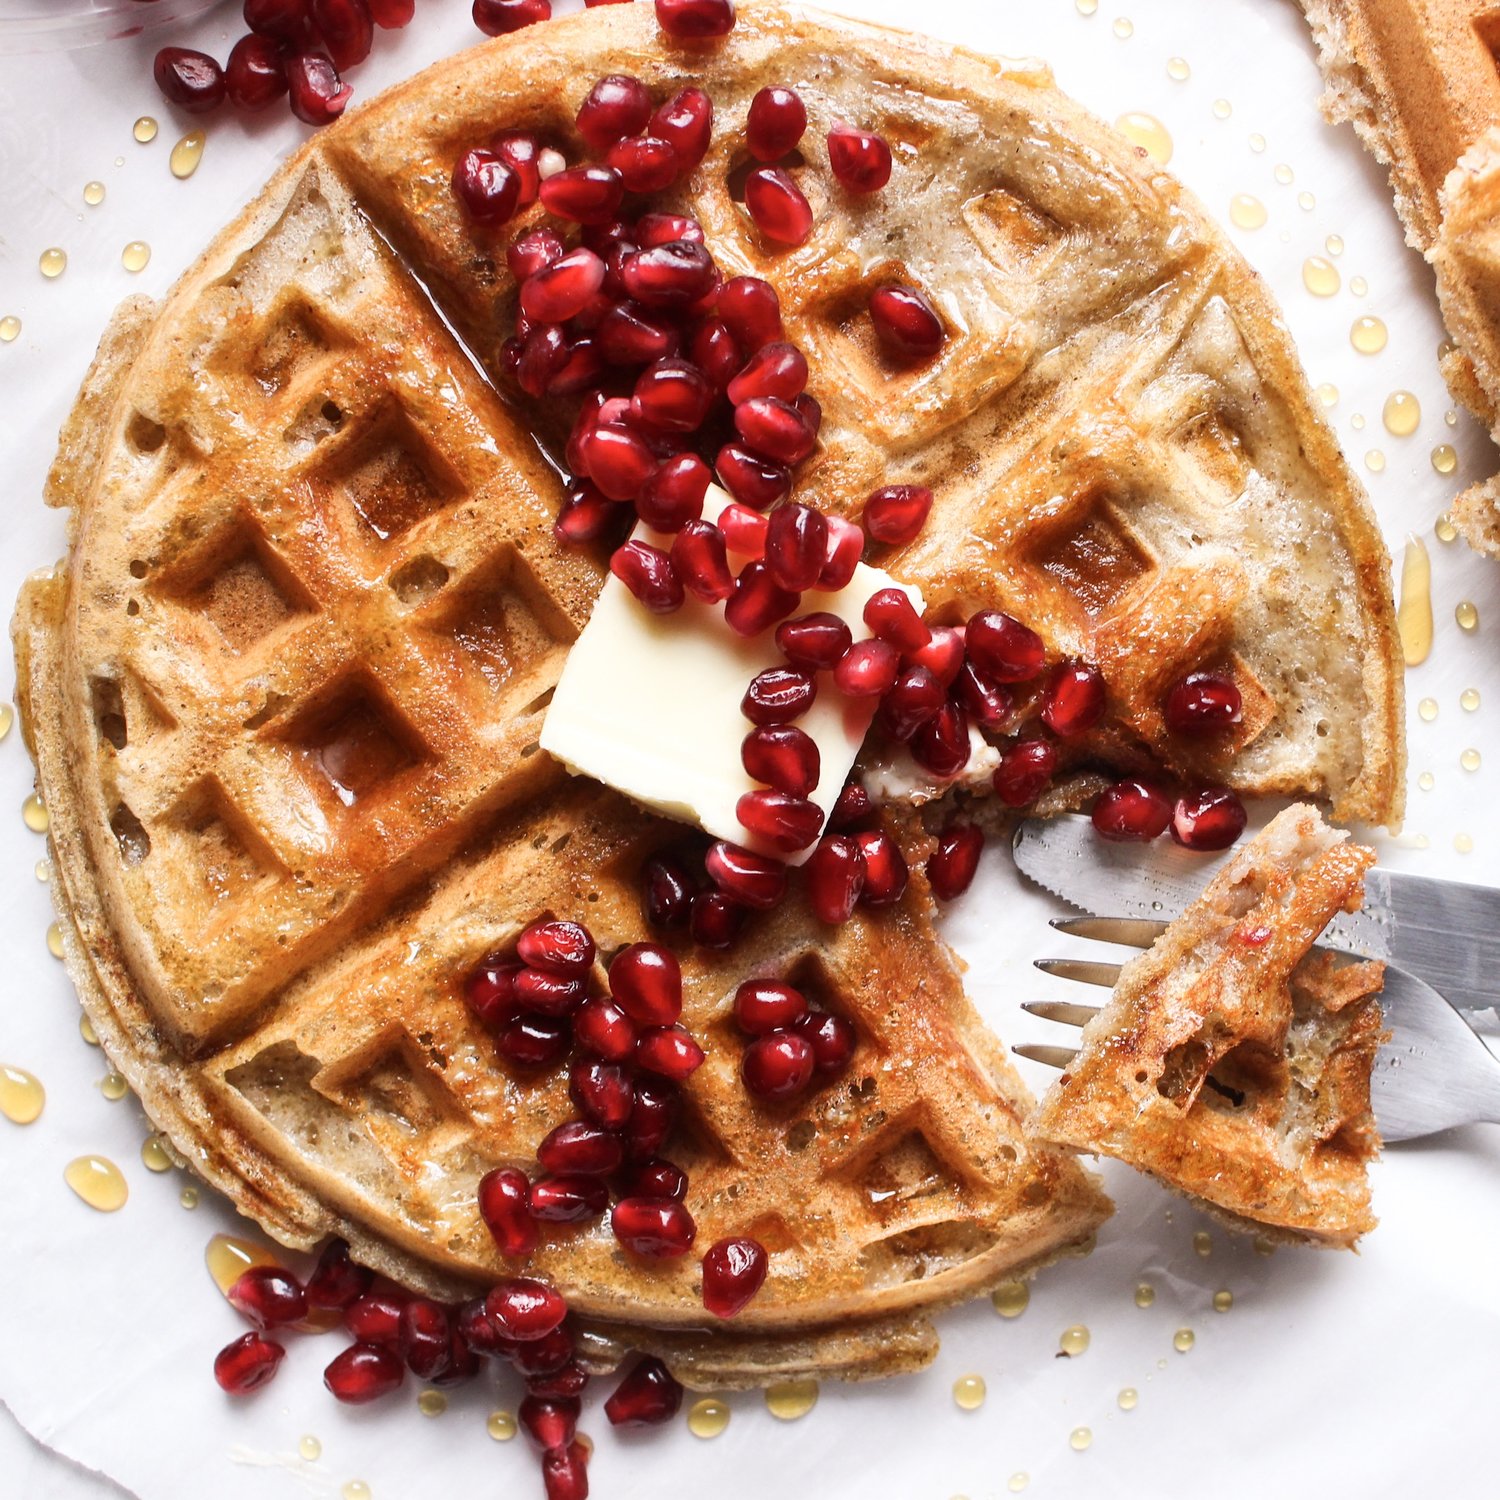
{"points": [[1418, 80], [1231, 1061], [285, 692]]}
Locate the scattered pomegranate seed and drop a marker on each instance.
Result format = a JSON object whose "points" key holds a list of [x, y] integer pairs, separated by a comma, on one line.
{"points": [[775, 123], [255, 75], [777, 207], [646, 979], [347, 30], [653, 1178], [815, 642], [716, 353], [1130, 810], [778, 1066], [951, 867], [191, 80], [669, 276], [391, 15], [564, 948], [617, 460], [534, 251], [778, 369], [281, 20], [686, 120], [885, 868], [831, 1038], [941, 743], [567, 1199], [778, 695], [753, 880], [671, 396], [499, 17], [615, 107], [782, 756], [895, 514], [533, 1041], [1001, 648], [318, 95], [777, 429], [744, 530], [505, 1208], [752, 478], [653, 1113], [463, 1363], [915, 698], [363, 1373], [860, 159], [906, 323], [579, 1148], [571, 1380], [542, 358], [565, 1473], [375, 1318], [586, 515], [267, 1297], [524, 1309], [751, 310], [544, 1356], [758, 601], [1203, 702], [796, 535], [989, 706], [1212, 818], [586, 195], [788, 824], [488, 189], [654, 1228], [1025, 772], [662, 229], [336, 1280], [1074, 700], [700, 561], [762, 1006], [734, 1270], [474, 1328], [867, 670], [603, 1091], [835, 878], [689, 20], [629, 335], [559, 290], [426, 1338], [943, 655], [890, 614], [669, 1052], [548, 994], [853, 804], [716, 920], [669, 894], [521, 152], [550, 1422], [247, 1364], [603, 1028], [846, 544], [646, 1397]]}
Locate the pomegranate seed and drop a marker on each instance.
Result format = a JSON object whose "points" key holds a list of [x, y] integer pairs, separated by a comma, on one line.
{"points": [[779, 369], [578, 1148], [603, 1091], [1212, 818], [906, 323], [474, 1328], [885, 868], [787, 824], [686, 120], [941, 744], [533, 1041], [895, 514], [701, 563], [989, 706], [810, 411], [751, 478], [646, 980], [318, 95], [778, 1066], [1025, 772], [672, 396], [951, 867], [669, 1052], [670, 276], [889, 613], [915, 698], [488, 189], [565, 1473], [661, 229], [716, 353], [567, 1200], [1131, 810], [762, 1006], [255, 74], [521, 152], [758, 601], [831, 1038], [1074, 700], [586, 515], [281, 20], [867, 670], [191, 80], [668, 895], [550, 1422], [654, 1178], [628, 335], [777, 207], [777, 429], [546, 1355], [744, 530], [1203, 702], [499, 17], [375, 1318], [784, 757], [605, 1029], [533, 252], [615, 107], [392, 15], [248, 1363], [835, 877], [503, 1205], [559, 290], [646, 1397], [734, 1270], [751, 879], [463, 1363], [548, 994], [524, 1309], [775, 123], [815, 642], [646, 163], [846, 544], [943, 655], [618, 461], [860, 159], [543, 357], [426, 1338], [267, 1297], [751, 310], [570, 1381], [654, 1228], [586, 195], [362, 1373], [778, 695], [346, 28], [336, 1280], [853, 804], [1002, 649], [564, 948], [689, 20], [653, 1113], [716, 920]]}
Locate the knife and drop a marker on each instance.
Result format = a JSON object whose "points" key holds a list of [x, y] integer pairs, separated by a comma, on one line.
{"points": [[1439, 930]]}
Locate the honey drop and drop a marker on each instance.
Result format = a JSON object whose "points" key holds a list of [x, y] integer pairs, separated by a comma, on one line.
{"points": [[432, 1403], [53, 263], [1334, 245], [42, 870], [1445, 530], [1086, 7], [1257, 142], [87, 1032], [1080, 1438], [1074, 1340], [1146, 133], [1426, 781], [1463, 843], [1469, 760], [1468, 700], [1358, 285], [355, 1489], [136, 256], [1129, 1398], [154, 1155], [1203, 1244], [310, 1448], [1368, 335], [1010, 1298], [93, 194], [98, 1181], [707, 1418], [1327, 394], [1375, 461], [1466, 613], [144, 129], [1320, 277], [1427, 710], [1222, 109], [1283, 173], [10, 329], [113, 1087], [186, 154], [34, 814], [1183, 1340], [228, 1257], [188, 1197], [1178, 70], [1444, 461], [1414, 616], [969, 1392], [1124, 28], [787, 1400], [1246, 211], [501, 1426], [54, 940], [1306, 202], [22, 1096], [1223, 1300], [1402, 413], [1145, 1294]]}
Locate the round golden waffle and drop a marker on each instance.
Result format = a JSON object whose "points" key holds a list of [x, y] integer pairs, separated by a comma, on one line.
{"points": [[286, 690]]}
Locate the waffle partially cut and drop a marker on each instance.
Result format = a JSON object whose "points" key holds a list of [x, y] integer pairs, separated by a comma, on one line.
{"points": [[286, 689], [1232, 1062]]}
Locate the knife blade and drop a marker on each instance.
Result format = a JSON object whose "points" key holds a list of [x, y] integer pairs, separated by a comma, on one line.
{"points": [[1444, 932]]}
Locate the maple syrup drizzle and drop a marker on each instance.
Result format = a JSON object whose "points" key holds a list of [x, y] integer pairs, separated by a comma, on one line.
{"points": [[1414, 616]]}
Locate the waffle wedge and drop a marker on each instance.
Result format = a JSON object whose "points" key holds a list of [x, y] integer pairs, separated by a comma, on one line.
{"points": [[285, 690]]}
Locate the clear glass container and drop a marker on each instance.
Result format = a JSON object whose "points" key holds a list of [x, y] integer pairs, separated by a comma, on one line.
{"points": [[50, 25]]}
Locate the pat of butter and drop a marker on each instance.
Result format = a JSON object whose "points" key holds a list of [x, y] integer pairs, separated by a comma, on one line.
{"points": [[650, 704]]}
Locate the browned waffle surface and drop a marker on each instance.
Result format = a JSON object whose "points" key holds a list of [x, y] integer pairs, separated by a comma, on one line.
{"points": [[1232, 1062]]}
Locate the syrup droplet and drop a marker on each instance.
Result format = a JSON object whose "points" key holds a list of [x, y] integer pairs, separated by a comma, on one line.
{"points": [[87, 1032], [55, 940], [1375, 461], [154, 1155], [708, 1418], [1074, 1340], [7, 718], [432, 1403], [587, 1444], [1306, 202], [93, 194], [1257, 142], [187, 153], [1327, 394], [1129, 1398], [1080, 1438], [1018, 1482], [1402, 413], [1178, 70], [1426, 781], [1320, 277], [787, 1400], [113, 1087], [53, 263], [1469, 760], [1223, 1300], [1282, 173], [1414, 617], [136, 256], [1145, 1294], [355, 1489], [1445, 461], [1124, 28], [228, 1257], [1445, 530], [1334, 245], [144, 129], [1086, 7], [1357, 421], [501, 1426], [1469, 700], [1246, 211], [1427, 710], [1222, 109], [34, 814], [310, 1448], [1451, 418], [98, 1181], [1466, 612], [43, 870], [188, 1197], [10, 329], [1203, 1243], [969, 1392], [1010, 1298], [1146, 133], [1368, 335], [1358, 285], [1464, 843], [21, 1095], [1183, 1340]]}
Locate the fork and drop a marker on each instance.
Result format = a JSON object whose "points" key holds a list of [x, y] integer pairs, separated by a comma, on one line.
{"points": [[1434, 1073]]}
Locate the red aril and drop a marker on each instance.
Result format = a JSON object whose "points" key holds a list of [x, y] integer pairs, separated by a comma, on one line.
{"points": [[603, 1028], [700, 561], [578, 1148], [426, 1338], [762, 1006], [570, 1381], [646, 980], [587, 515], [617, 459], [653, 1228], [617, 105], [1211, 818], [941, 743], [885, 868], [846, 544], [375, 1318], [754, 880], [565, 1472], [550, 1422], [318, 95], [247, 1364], [668, 276], [744, 530], [347, 30], [752, 478], [653, 1178], [672, 396], [473, 1327], [463, 1363], [775, 123], [784, 757], [648, 1396], [565, 287], [777, 207], [776, 428], [521, 152], [668, 891], [586, 195], [602, 1091], [646, 163], [758, 601], [890, 614], [796, 535], [544, 353], [630, 335], [255, 74], [989, 706], [1074, 700], [716, 353], [906, 323], [787, 824], [363, 1373], [504, 1206], [532, 1041], [191, 80], [778, 369], [691, 20], [572, 1199], [669, 1052], [716, 920], [490, 991], [336, 1280], [1025, 772], [543, 1356], [535, 251], [810, 411], [686, 120], [835, 877], [565, 948], [867, 670], [584, 366], [653, 1113], [1001, 648], [662, 229], [1131, 810], [951, 867], [943, 655], [897, 512], [914, 698], [853, 803], [778, 695], [281, 20], [832, 1041], [734, 1270], [547, 994], [268, 1297], [524, 1309], [499, 17], [751, 310], [778, 1066], [391, 15], [860, 159], [1203, 702], [815, 642]]}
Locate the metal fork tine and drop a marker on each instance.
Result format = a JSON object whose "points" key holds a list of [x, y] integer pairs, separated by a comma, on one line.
{"points": [[1053, 1057], [1082, 970], [1062, 1010], [1133, 932]]}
